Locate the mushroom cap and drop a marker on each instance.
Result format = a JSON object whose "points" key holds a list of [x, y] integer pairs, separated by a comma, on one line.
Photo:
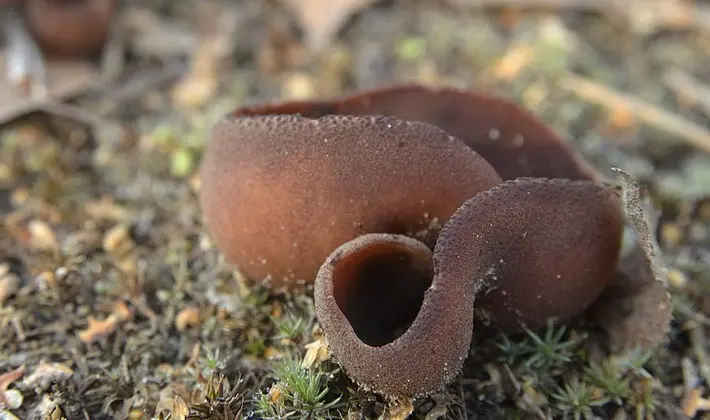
{"points": [[70, 27], [279, 193], [394, 325], [544, 248], [513, 140]]}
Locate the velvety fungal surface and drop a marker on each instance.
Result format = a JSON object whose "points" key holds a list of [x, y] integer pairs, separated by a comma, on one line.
{"points": [[508, 136], [394, 322], [280, 193], [545, 249]]}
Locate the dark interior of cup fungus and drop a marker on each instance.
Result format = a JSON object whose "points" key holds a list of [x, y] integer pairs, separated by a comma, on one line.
{"points": [[513, 140], [380, 289], [395, 324]]}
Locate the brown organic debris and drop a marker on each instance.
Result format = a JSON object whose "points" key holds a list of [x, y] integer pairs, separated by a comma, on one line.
{"points": [[7, 379], [691, 132], [188, 317], [322, 19]]}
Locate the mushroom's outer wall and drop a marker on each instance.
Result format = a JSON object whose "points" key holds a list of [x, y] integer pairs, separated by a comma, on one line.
{"points": [[546, 248], [280, 193], [422, 360], [513, 140]]}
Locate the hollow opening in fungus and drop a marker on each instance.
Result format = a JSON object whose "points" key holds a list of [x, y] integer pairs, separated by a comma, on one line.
{"points": [[380, 290]]}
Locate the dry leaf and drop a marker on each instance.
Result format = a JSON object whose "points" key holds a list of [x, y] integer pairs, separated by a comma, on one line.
{"points": [[98, 329], [399, 409], [316, 353], [188, 317], [6, 379], [64, 78], [635, 310], [321, 20], [42, 236], [9, 284], [513, 62], [119, 245], [121, 311], [47, 373], [179, 408]]}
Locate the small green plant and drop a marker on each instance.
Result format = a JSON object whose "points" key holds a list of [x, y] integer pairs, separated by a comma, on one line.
{"points": [[221, 401], [299, 393], [610, 379], [512, 351], [296, 322], [634, 361], [551, 349], [577, 398], [643, 399]]}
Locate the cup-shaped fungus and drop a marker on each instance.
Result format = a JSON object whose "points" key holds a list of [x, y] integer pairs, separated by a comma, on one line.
{"points": [[546, 248], [279, 193], [399, 319], [396, 322], [513, 140]]}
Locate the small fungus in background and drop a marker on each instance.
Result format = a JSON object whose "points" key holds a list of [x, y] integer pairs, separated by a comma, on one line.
{"points": [[69, 27], [524, 252], [279, 193]]}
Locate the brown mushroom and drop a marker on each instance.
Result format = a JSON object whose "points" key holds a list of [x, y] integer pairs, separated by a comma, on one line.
{"points": [[279, 193], [394, 325], [547, 248], [513, 140], [70, 27], [399, 319]]}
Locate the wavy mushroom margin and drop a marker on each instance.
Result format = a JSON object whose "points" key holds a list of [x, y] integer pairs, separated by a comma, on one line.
{"points": [[399, 318]]}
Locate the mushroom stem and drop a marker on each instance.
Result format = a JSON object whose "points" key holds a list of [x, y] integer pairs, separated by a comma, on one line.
{"points": [[384, 311]]}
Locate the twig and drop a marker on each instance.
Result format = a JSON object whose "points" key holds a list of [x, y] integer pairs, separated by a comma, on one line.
{"points": [[687, 86], [661, 119], [697, 342], [642, 15]]}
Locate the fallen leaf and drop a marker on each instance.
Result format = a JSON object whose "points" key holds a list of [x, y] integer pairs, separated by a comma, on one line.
{"points": [[399, 409], [179, 408], [7, 378], [188, 317], [513, 62], [316, 353], [64, 79], [98, 329], [47, 373], [9, 284], [320, 20], [42, 236], [10, 398]]}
